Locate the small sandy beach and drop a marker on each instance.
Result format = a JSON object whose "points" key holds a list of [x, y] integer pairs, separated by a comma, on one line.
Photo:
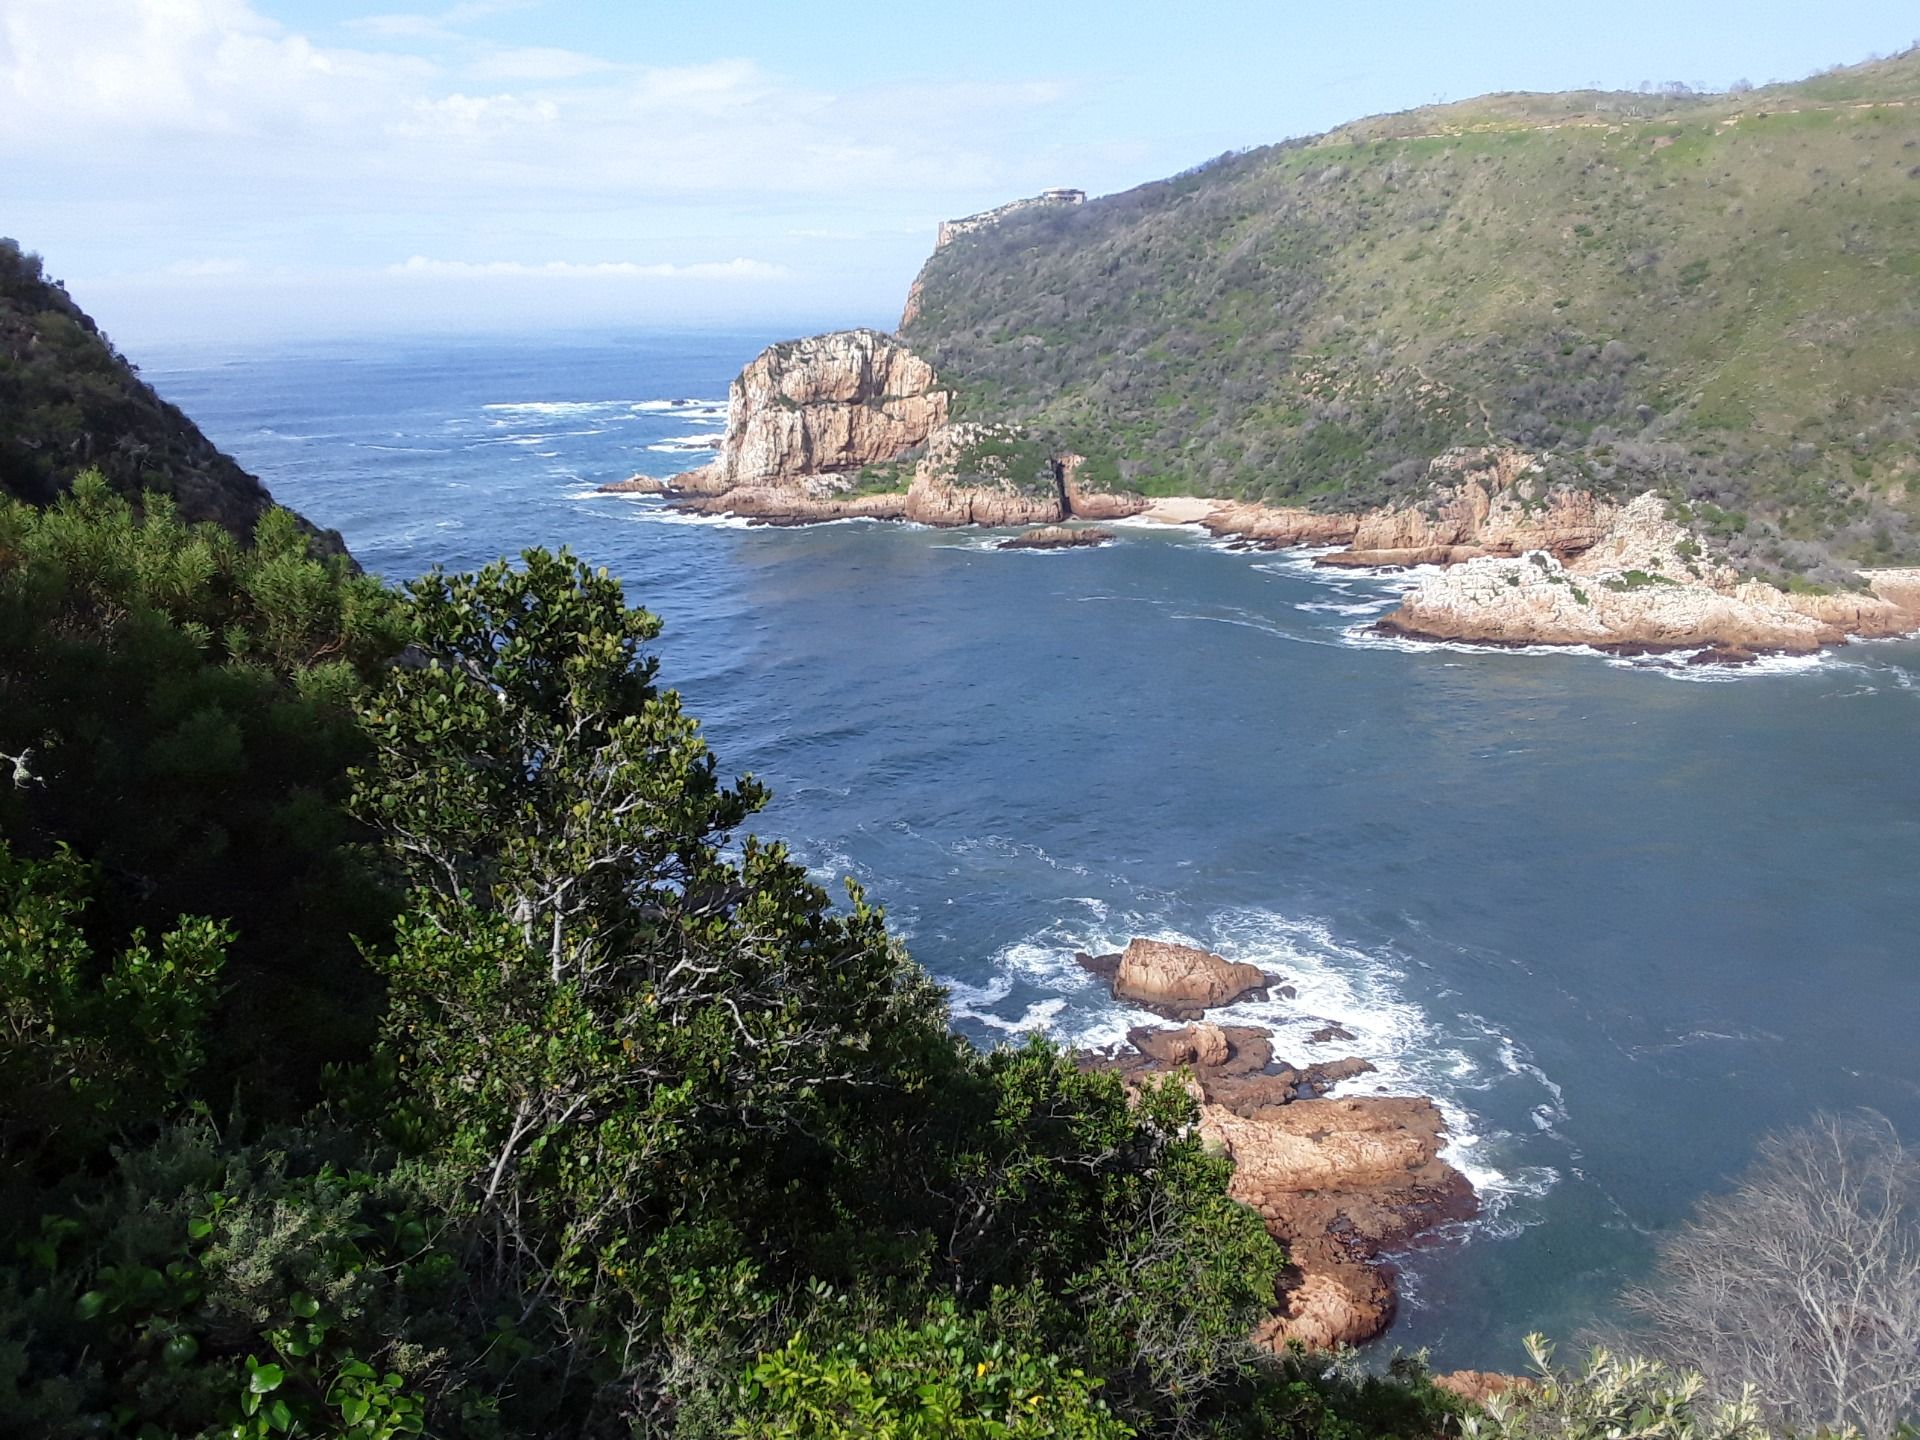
{"points": [[1179, 509]]}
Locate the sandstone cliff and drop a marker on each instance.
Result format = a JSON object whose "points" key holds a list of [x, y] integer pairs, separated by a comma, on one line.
{"points": [[810, 410], [855, 425]]}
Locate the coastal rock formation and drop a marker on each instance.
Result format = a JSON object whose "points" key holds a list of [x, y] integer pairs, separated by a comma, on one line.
{"points": [[826, 406], [1642, 586], [633, 485], [1057, 537], [1480, 1386], [855, 425], [1084, 502], [951, 486], [1525, 563], [1180, 982], [1337, 1181], [1489, 500]]}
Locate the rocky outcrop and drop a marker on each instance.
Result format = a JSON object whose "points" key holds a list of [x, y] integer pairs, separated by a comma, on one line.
{"points": [[1480, 1386], [1491, 500], [1057, 537], [1181, 982], [952, 230], [1526, 563], [1338, 1181], [956, 483], [1640, 587], [855, 425], [827, 406]]}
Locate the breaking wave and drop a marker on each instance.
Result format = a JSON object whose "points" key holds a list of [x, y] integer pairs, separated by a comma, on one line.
{"points": [[1036, 984]]}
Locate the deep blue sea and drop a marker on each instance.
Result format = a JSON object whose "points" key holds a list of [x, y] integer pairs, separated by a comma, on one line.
{"points": [[1619, 920]]}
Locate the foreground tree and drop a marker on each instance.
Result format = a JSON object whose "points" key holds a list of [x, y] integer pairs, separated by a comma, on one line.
{"points": [[1805, 1280], [673, 1091], [1612, 1397], [651, 1140], [177, 705]]}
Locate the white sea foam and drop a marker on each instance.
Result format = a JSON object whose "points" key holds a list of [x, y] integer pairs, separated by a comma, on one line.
{"points": [[1147, 522], [710, 411], [650, 507], [1004, 847], [559, 407], [1675, 666], [1412, 1051], [685, 444], [1347, 607]]}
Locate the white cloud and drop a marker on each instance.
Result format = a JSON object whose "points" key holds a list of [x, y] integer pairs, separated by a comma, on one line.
{"points": [[203, 128], [208, 268], [737, 269], [157, 69], [474, 116], [537, 63], [445, 24]]}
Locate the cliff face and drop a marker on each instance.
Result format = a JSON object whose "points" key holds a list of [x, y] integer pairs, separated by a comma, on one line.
{"points": [[70, 401], [854, 424], [822, 407]]}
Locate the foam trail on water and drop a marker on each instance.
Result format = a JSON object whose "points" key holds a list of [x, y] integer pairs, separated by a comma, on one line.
{"points": [[1334, 982]]}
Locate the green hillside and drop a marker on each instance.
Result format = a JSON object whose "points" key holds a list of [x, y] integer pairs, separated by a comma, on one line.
{"points": [[1715, 296], [70, 402]]}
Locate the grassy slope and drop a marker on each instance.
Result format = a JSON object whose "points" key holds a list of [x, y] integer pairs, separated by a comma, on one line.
{"points": [[69, 400], [1719, 297]]}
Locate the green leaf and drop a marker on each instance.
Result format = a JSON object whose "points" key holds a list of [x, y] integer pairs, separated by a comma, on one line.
{"points": [[265, 1379]]}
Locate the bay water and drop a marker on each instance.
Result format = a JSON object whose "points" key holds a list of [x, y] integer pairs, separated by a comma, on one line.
{"points": [[1619, 919]]}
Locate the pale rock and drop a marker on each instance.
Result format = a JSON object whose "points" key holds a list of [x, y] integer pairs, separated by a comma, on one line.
{"points": [[1182, 979], [826, 405]]}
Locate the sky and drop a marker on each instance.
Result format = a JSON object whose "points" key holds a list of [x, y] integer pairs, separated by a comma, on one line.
{"points": [[215, 170]]}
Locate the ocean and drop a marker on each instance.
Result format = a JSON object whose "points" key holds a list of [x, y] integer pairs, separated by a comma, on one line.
{"points": [[1619, 918]]}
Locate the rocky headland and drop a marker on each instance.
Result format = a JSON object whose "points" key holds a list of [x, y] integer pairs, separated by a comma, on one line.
{"points": [[1338, 1180], [854, 425], [1519, 562]]}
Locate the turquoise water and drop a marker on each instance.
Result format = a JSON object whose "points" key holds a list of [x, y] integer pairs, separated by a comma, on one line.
{"points": [[1619, 920]]}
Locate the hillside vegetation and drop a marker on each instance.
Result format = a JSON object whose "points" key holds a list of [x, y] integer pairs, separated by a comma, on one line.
{"points": [[1717, 297], [71, 402]]}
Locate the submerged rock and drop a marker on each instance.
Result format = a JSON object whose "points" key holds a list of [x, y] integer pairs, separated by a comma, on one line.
{"points": [[1056, 537], [633, 485]]}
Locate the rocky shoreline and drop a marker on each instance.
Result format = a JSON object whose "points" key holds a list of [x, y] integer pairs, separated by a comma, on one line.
{"points": [[854, 425], [1339, 1181]]}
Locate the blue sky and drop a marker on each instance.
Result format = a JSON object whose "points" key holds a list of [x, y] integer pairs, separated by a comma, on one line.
{"points": [[246, 169]]}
